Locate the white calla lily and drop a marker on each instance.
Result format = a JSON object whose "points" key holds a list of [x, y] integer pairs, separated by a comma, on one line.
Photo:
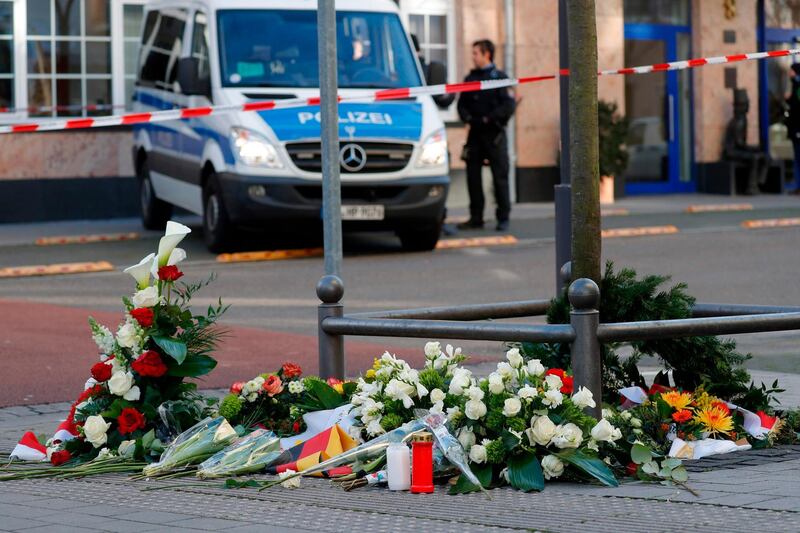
{"points": [[141, 271], [172, 237], [177, 255]]}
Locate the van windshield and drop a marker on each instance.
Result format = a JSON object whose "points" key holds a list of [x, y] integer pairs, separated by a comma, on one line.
{"points": [[278, 48]]}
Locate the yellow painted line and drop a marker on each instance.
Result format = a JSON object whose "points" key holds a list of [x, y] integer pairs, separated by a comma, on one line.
{"points": [[54, 270], [771, 223], [639, 232], [715, 208], [269, 255], [85, 239], [614, 212], [449, 244]]}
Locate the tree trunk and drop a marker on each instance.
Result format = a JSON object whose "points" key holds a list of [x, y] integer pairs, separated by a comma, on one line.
{"points": [[584, 149]]}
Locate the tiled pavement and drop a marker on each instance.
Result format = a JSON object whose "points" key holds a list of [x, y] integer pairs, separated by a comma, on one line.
{"points": [[738, 492]]}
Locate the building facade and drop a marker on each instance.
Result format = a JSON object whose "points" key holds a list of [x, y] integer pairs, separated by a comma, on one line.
{"points": [[79, 58]]}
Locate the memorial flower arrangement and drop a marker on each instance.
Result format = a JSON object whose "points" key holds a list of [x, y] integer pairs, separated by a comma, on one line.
{"points": [[278, 400], [136, 397]]}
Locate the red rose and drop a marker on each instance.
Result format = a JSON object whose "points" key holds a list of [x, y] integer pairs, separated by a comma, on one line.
{"points": [[237, 387], [333, 381], [130, 420], [296, 427], [567, 384], [169, 273], [149, 364], [144, 316], [632, 468], [273, 385], [60, 457], [101, 372], [291, 370]]}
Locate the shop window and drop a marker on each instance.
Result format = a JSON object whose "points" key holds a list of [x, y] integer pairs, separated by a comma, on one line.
{"points": [[68, 56], [6, 56], [675, 12], [783, 14]]}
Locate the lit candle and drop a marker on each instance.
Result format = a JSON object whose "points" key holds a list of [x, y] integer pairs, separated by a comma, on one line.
{"points": [[398, 467]]}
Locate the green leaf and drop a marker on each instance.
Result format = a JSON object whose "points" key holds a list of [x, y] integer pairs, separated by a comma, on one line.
{"points": [[525, 472], [464, 486], [679, 474], [234, 484], [115, 408], [650, 467], [671, 462], [510, 441], [591, 466], [148, 438], [193, 366], [640, 454], [327, 395], [172, 347]]}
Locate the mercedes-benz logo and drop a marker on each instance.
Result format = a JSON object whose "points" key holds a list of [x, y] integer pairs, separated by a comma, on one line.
{"points": [[352, 157]]}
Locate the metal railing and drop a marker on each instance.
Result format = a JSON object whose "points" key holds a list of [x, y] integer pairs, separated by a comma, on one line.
{"points": [[584, 332]]}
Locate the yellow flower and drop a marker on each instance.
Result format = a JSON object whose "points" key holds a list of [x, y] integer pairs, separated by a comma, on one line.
{"points": [[714, 420], [677, 400], [338, 388], [370, 374], [376, 364], [703, 400]]}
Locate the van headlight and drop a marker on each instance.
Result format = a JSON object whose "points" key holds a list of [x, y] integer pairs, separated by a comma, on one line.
{"points": [[253, 149], [434, 150]]}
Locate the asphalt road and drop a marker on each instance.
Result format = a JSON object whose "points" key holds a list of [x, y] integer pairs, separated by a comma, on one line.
{"points": [[275, 305]]}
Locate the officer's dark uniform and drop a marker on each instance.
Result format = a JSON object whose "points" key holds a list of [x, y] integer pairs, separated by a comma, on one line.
{"points": [[487, 113]]}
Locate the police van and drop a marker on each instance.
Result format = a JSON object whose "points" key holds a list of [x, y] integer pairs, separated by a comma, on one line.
{"points": [[263, 169]]}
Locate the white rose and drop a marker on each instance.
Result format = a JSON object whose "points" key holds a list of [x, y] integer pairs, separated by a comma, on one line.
{"points": [[133, 394], [475, 393], [127, 448], [466, 437], [511, 407], [568, 436], [120, 383], [461, 380], [541, 431], [452, 412], [477, 453], [535, 367], [505, 370], [528, 392], [553, 382], [437, 395], [474, 409], [496, 385], [553, 398], [515, 358], [433, 349], [94, 429], [293, 482], [128, 336], [583, 398], [296, 387], [552, 467], [146, 297], [603, 431]]}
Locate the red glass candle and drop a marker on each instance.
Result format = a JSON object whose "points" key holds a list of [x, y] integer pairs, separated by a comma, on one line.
{"points": [[422, 463]]}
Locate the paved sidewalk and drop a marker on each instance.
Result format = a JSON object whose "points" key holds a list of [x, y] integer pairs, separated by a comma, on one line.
{"points": [[737, 492]]}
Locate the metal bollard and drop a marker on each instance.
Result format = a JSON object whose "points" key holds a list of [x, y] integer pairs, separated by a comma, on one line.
{"points": [[330, 290], [584, 297], [566, 277]]}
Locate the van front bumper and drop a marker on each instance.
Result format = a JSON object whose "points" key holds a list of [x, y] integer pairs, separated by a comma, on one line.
{"points": [[408, 202]]}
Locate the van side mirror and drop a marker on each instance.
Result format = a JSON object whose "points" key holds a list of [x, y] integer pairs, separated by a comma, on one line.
{"points": [[436, 73], [191, 84]]}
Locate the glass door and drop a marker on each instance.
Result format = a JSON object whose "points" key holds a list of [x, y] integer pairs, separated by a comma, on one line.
{"points": [[658, 107]]}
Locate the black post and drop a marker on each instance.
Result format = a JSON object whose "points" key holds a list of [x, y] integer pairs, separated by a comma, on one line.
{"points": [[330, 290], [584, 297], [563, 193]]}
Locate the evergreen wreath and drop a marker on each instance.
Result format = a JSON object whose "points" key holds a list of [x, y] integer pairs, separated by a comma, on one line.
{"points": [[709, 361]]}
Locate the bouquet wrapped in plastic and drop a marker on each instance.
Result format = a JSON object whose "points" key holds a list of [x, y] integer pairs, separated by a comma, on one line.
{"points": [[248, 455], [194, 446]]}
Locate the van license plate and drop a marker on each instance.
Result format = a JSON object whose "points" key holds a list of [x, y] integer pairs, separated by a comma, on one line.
{"points": [[362, 212]]}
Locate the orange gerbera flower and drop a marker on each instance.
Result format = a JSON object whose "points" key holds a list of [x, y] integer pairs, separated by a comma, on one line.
{"points": [[715, 420], [682, 416], [677, 400]]}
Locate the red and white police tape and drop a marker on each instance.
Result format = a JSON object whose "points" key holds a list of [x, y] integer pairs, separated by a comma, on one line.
{"points": [[373, 96]]}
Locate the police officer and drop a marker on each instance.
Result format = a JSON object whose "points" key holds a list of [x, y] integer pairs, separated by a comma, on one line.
{"points": [[486, 114]]}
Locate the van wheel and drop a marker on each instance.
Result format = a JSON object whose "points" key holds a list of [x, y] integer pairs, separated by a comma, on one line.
{"points": [[422, 239], [155, 213], [217, 227]]}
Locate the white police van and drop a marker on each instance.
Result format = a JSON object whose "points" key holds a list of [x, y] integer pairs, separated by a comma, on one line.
{"points": [[263, 169]]}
